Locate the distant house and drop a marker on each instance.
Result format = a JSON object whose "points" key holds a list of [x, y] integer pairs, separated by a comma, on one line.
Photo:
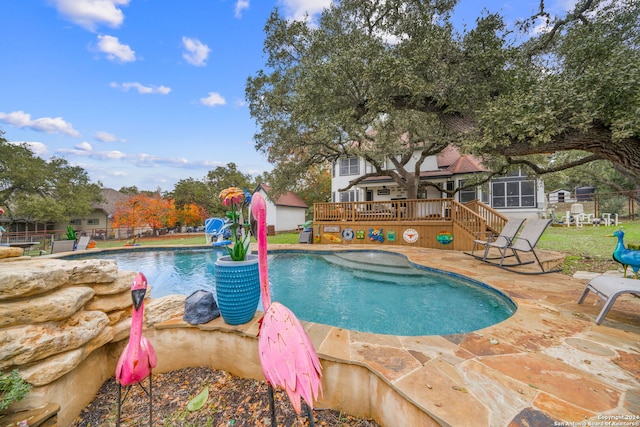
{"points": [[98, 223], [560, 196], [285, 214]]}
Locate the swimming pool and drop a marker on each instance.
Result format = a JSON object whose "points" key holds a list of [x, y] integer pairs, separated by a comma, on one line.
{"points": [[367, 291]]}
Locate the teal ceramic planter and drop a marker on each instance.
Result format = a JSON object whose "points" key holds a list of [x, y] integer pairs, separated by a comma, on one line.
{"points": [[237, 288]]}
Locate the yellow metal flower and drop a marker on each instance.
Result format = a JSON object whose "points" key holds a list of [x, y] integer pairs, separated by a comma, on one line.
{"points": [[231, 195]]}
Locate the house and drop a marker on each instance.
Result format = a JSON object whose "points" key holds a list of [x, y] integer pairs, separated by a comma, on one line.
{"points": [[515, 195], [97, 224], [285, 214], [560, 196]]}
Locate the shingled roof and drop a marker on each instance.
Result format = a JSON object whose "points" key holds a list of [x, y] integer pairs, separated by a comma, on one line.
{"points": [[111, 197], [290, 199]]}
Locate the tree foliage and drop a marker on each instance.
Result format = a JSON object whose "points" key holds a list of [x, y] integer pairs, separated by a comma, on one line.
{"points": [[191, 214], [224, 177], [33, 188], [142, 210], [393, 80]]}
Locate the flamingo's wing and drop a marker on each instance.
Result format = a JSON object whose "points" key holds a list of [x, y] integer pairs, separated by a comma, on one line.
{"points": [[121, 362], [146, 346], [288, 357]]}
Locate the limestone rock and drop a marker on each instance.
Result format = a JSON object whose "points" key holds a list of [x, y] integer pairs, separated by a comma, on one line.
{"points": [[121, 330], [122, 284], [9, 252], [57, 305], [43, 275], [52, 368], [26, 278], [118, 315], [91, 271], [109, 303], [158, 310], [24, 344]]}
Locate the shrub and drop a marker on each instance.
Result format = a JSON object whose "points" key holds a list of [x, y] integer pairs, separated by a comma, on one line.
{"points": [[12, 388]]}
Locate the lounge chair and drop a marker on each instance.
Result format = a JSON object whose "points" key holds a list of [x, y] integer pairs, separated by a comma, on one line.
{"points": [[609, 288], [62, 246], [83, 241], [525, 242], [505, 237]]}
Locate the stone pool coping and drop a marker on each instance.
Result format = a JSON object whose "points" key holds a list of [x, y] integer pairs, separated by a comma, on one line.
{"points": [[548, 362]]}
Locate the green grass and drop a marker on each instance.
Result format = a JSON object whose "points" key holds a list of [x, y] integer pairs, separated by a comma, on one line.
{"points": [[189, 240], [588, 241]]}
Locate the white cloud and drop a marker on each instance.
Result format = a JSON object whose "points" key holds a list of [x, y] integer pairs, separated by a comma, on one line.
{"points": [[240, 6], [296, 9], [85, 150], [37, 148], [20, 119], [213, 99], [103, 136], [90, 13], [115, 50], [145, 90], [197, 52], [84, 146]]}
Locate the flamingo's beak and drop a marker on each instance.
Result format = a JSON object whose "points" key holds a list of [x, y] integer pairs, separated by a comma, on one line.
{"points": [[137, 295]]}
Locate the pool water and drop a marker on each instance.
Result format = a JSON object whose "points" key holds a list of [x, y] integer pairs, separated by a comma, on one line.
{"points": [[364, 291]]}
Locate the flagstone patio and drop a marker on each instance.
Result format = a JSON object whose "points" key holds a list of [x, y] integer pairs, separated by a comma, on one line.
{"points": [[548, 363]]}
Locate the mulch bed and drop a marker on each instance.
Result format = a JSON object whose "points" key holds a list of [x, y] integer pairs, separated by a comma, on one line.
{"points": [[233, 401]]}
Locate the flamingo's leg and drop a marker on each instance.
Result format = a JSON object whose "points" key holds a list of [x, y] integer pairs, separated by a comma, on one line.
{"points": [[119, 404], [309, 414], [150, 401], [272, 405]]}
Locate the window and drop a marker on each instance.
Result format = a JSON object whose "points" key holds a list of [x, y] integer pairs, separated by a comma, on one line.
{"points": [[75, 222], [348, 196], [450, 187], [94, 221], [349, 166], [467, 195], [513, 194]]}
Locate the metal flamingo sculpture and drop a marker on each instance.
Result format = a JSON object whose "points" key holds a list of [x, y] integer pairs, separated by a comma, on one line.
{"points": [[138, 357], [626, 257], [287, 356]]}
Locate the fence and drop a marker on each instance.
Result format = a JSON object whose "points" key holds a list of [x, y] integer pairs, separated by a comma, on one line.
{"points": [[624, 203], [43, 238]]}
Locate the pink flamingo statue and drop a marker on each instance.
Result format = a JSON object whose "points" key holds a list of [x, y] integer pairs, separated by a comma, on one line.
{"points": [[286, 353], [138, 357]]}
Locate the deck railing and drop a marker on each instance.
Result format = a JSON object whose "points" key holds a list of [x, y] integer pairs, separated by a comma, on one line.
{"points": [[494, 220], [431, 219], [393, 210]]}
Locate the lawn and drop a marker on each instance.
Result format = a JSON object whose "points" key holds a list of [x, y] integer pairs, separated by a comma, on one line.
{"points": [[588, 241]]}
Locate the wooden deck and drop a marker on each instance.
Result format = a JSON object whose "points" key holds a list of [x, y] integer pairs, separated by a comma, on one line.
{"points": [[428, 223]]}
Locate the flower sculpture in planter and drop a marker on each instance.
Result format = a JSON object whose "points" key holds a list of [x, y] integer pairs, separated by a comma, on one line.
{"points": [[237, 276], [238, 200]]}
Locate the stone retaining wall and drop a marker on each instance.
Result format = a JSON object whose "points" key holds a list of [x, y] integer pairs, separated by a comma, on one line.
{"points": [[54, 314]]}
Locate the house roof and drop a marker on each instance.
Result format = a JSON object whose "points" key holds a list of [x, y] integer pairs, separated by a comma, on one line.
{"points": [[111, 197], [290, 198], [450, 162]]}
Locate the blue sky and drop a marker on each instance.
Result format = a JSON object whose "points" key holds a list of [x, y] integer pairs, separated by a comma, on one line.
{"points": [[144, 92]]}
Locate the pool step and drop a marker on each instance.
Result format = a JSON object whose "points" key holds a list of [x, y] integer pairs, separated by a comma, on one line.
{"points": [[371, 267], [376, 258]]}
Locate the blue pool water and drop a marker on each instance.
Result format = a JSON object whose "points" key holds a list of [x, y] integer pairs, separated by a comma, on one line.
{"points": [[363, 291]]}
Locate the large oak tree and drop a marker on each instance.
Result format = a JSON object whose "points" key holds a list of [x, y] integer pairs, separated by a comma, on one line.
{"points": [[40, 190], [391, 79]]}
